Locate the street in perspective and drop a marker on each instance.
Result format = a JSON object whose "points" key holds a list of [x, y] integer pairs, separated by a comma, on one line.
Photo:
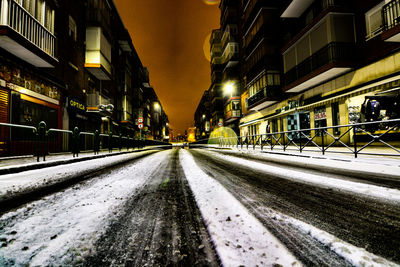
{"points": [[200, 133]]}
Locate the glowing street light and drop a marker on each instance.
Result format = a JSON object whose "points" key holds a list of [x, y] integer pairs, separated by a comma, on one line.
{"points": [[228, 88], [156, 106]]}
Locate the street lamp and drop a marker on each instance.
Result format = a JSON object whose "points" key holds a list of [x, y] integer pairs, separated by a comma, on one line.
{"points": [[156, 106], [228, 88]]}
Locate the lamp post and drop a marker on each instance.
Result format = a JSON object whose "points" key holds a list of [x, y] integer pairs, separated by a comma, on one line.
{"points": [[156, 127]]}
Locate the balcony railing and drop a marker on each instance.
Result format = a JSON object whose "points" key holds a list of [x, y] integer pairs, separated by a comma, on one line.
{"points": [[232, 114], [20, 20], [391, 14], [264, 93], [331, 53]]}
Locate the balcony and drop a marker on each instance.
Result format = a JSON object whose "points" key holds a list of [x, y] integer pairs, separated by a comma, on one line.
{"points": [[216, 36], [229, 16], [265, 97], [391, 21], [328, 62], [317, 13], [231, 52], [98, 54], [296, 8], [99, 104], [232, 115], [24, 36]]}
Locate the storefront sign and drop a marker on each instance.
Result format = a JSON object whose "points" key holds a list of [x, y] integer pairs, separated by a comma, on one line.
{"points": [[76, 104], [15, 78], [319, 114]]}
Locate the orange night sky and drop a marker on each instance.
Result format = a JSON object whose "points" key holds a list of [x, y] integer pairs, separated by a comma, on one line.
{"points": [[169, 36]]}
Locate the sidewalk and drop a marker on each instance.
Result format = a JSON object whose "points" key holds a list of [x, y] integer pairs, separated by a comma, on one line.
{"points": [[368, 166], [371, 155], [18, 164]]}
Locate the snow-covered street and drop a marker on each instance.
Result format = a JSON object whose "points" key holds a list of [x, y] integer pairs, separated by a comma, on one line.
{"points": [[200, 208]]}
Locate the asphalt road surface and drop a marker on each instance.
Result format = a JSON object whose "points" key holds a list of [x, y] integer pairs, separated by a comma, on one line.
{"points": [[364, 222]]}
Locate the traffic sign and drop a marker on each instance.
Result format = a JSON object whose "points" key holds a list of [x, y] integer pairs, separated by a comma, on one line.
{"points": [[140, 119], [220, 124], [140, 126]]}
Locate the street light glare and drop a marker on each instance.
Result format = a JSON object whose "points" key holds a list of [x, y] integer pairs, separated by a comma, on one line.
{"points": [[228, 88]]}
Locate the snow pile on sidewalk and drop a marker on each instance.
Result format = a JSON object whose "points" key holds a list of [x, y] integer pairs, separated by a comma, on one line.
{"points": [[61, 229], [368, 190], [239, 238], [12, 184], [366, 167]]}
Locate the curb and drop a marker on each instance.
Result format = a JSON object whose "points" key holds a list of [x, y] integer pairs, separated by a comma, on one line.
{"points": [[46, 164], [344, 169]]}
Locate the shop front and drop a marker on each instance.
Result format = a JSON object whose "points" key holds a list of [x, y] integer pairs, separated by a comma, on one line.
{"points": [[26, 99]]}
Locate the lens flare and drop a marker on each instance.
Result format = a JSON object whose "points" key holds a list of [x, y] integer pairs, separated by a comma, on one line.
{"points": [[206, 47], [224, 136], [211, 2]]}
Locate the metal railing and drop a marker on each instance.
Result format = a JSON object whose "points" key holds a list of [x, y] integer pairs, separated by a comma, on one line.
{"points": [[391, 14], [332, 52], [21, 140], [16, 17], [370, 138], [265, 92]]}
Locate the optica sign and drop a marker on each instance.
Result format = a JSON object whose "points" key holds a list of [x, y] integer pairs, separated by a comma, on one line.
{"points": [[76, 104]]}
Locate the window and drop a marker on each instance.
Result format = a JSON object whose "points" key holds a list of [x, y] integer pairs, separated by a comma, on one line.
{"points": [[274, 126], [72, 28], [373, 20], [271, 78], [320, 118], [49, 19], [335, 117], [40, 11], [29, 5]]}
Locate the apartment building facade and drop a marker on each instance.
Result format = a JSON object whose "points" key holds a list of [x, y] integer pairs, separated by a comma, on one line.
{"points": [[336, 57], [229, 26], [71, 64], [28, 44], [202, 117]]}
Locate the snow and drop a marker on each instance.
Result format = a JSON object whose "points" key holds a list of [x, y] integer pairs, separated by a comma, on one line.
{"points": [[11, 184], [367, 190], [61, 229], [358, 257], [372, 166], [239, 238]]}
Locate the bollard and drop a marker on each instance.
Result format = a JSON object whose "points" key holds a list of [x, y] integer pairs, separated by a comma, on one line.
{"points": [[75, 142], [96, 140], [120, 142], [41, 137], [110, 142], [355, 141]]}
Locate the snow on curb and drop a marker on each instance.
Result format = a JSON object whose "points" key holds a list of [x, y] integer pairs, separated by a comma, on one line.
{"points": [[239, 238], [60, 230], [374, 168], [358, 257], [368, 190], [12, 185]]}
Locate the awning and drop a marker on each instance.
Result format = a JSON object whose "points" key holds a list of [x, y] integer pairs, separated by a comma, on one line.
{"points": [[381, 86], [250, 122]]}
